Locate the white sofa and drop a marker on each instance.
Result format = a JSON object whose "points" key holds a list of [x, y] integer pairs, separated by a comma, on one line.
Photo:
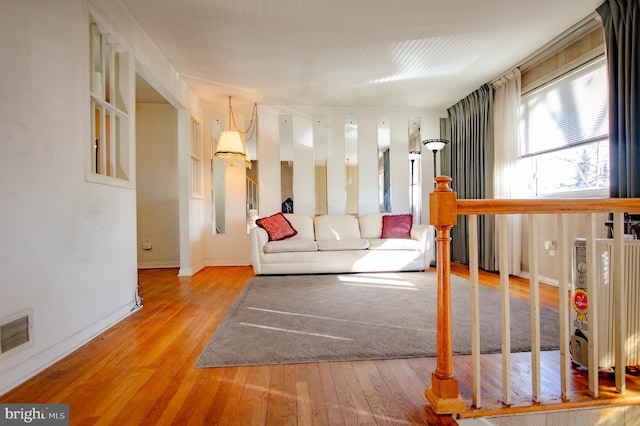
{"points": [[340, 243]]}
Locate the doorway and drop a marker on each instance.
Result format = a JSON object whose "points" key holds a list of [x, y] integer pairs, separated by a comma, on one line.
{"points": [[157, 192]]}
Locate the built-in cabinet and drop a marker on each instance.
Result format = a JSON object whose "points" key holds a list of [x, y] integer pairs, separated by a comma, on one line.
{"points": [[112, 95]]}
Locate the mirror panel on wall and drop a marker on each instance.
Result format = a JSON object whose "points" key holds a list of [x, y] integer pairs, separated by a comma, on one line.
{"points": [[251, 163], [286, 163], [319, 130], [415, 184], [351, 162], [384, 175], [218, 179], [324, 150]]}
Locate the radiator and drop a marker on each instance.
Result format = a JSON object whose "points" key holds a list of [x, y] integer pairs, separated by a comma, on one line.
{"points": [[580, 317]]}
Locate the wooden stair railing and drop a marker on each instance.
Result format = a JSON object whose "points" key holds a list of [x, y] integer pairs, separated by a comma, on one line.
{"points": [[443, 394]]}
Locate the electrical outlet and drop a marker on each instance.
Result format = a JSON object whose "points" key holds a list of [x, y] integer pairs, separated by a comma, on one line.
{"points": [[550, 247]]}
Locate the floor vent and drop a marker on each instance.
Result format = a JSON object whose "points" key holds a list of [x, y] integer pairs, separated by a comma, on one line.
{"points": [[15, 331]]}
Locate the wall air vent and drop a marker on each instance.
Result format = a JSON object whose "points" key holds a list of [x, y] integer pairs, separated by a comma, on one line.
{"points": [[15, 331]]}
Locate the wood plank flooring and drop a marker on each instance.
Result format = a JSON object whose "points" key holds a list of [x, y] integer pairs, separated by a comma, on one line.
{"points": [[140, 372]]}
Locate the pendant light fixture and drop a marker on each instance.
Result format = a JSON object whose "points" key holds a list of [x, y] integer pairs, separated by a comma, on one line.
{"points": [[230, 146]]}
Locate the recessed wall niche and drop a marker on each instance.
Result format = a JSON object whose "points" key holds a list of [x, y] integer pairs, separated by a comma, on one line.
{"points": [[384, 165], [218, 219], [351, 163], [415, 171], [319, 133], [286, 163], [251, 166]]}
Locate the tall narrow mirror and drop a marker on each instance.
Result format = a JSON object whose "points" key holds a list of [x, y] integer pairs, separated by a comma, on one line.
{"points": [[320, 163], [351, 163], [384, 175], [251, 164], [218, 179], [415, 185], [286, 163]]}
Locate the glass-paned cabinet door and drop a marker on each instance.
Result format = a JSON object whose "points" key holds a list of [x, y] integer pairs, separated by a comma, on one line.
{"points": [[111, 93]]}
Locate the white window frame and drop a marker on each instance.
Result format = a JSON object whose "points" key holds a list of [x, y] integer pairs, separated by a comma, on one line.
{"points": [[109, 153], [528, 160]]}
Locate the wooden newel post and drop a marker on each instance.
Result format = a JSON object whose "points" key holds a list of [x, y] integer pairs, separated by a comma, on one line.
{"points": [[443, 393]]}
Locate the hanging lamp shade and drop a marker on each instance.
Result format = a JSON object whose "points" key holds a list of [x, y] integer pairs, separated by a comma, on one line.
{"points": [[247, 159], [230, 146]]}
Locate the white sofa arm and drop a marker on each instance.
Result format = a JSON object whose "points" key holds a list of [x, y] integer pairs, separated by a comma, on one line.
{"points": [[425, 234], [259, 238]]}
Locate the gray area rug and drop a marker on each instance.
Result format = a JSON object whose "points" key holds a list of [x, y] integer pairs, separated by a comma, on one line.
{"points": [[345, 317]]}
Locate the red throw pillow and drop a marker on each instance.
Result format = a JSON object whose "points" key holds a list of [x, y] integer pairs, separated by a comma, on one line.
{"points": [[397, 226], [277, 226]]}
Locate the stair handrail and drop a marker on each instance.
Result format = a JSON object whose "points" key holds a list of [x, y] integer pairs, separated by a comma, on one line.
{"points": [[443, 394]]}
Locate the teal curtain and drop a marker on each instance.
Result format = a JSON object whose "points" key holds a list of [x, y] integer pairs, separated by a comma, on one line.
{"points": [[471, 159], [621, 22]]}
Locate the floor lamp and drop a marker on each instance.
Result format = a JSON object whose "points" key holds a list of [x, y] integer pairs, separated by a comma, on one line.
{"points": [[435, 145]]}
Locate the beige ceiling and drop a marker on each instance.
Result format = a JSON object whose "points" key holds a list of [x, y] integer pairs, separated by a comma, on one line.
{"points": [[384, 53]]}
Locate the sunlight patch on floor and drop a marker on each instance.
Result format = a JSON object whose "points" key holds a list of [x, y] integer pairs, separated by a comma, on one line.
{"points": [[382, 281], [369, 323], [294, 331]]}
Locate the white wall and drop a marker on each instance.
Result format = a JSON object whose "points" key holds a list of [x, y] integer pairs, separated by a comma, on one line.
{"points": [[232, 248], [157, 185], [68, 246], [549, 267]]}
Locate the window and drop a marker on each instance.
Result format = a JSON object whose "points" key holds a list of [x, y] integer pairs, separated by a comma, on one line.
{"points": [[565, 132], [111, 87], [196, 159]]}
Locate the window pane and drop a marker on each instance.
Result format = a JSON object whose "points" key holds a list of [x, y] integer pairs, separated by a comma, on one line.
{"points": [[569, 111], [577, 168], [96, 160], [121, 157], [108, 144]]}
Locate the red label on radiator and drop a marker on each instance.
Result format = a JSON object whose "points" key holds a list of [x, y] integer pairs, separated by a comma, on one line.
{"points": [[580, 302]]}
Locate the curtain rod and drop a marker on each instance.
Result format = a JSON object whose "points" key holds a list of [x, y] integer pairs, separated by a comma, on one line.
{"points": [[573, 33]]}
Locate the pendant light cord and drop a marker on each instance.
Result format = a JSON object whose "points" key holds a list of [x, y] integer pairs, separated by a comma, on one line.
{"points": [[252, 124]]}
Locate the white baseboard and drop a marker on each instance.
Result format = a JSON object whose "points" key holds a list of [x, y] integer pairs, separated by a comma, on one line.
{"points": [[157, 265], [542, 279], [228, 262], [190, 270]]}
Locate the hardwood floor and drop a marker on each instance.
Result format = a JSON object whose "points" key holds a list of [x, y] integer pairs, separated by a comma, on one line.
{"points": [[141, 371]]}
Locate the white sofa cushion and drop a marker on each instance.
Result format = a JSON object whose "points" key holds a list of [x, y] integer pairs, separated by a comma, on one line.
{"points": [[290, 244], [336, 227], [371, 225], [301, 223], [344, 244], [394, 244]]}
